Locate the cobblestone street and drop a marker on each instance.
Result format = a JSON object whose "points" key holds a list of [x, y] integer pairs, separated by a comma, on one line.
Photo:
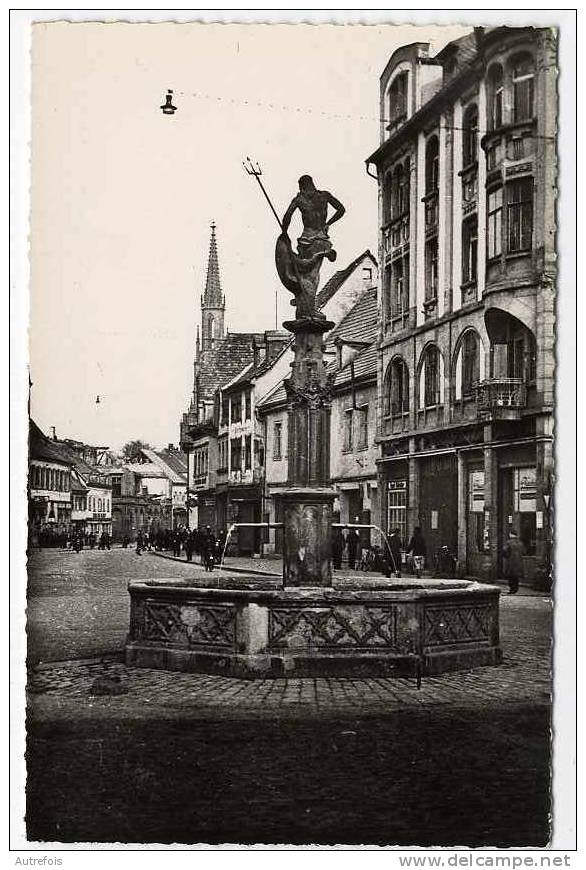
{"points": [[192, 757]]}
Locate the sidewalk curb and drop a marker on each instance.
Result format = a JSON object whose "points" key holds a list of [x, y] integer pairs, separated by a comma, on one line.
{"points": [[226, 568]]}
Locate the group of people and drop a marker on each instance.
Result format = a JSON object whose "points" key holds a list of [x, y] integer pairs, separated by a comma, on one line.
{"points": [[200, 542], [387, 560], [74, 539]]}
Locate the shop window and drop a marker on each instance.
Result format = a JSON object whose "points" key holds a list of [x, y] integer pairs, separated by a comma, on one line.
{"points": [[470, 135], [495, 97], [523, 73], [524, 504], [397, 508], [494, 223], [476, 507], [520, 215], [469, 250]]}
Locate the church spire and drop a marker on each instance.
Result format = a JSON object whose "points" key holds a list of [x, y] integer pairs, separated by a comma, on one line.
{"points": [[213, 291], [212, 302]]}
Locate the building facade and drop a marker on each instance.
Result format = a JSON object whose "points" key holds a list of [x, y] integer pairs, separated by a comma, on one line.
{"points": [[49, 487], [466, 172]]}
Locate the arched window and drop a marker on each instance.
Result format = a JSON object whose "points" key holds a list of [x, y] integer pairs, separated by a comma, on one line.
{"points": [[495, 97], [523, 72], [432, 165], [467, 365], [470, 135], [398, 100], [430, 378], [396, 399]]}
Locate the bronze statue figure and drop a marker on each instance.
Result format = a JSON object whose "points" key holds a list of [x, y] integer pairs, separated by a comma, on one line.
{"points": [[299, 272]]}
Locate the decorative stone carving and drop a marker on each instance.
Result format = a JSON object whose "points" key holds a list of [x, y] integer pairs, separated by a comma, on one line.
{"points": [[448, 625], [338, 627], [189, 625]]}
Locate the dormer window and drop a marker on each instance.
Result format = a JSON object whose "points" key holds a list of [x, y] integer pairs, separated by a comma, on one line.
{"points": [[398, 100]]}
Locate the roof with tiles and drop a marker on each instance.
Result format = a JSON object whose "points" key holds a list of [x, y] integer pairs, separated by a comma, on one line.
{"points": [[359, 326], [41, 447], [360, 323], [175, 459], [232, 354], [333, 285]]}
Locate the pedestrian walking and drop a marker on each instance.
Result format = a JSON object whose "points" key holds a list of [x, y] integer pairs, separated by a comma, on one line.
{"points": [[208, 550], [139, 543], [395, 551], [353, 545], [515, 567], [188, 547], [417, 550], [338, 544]]}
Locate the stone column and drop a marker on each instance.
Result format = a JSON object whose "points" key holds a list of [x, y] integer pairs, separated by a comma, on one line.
{"points": [[308, 499]]}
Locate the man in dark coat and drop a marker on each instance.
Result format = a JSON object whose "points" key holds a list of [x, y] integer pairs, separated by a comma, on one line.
{"points": [[353, 545], [188, 546], [338, 544], [418, 550], [515, 567]]}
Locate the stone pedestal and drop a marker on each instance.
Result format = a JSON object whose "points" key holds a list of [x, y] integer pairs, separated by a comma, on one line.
{"points": [[307, 526], [307, 503]]}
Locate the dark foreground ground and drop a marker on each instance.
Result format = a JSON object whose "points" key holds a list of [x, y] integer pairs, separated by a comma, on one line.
{"points": [[435, 777], [190, 759]]}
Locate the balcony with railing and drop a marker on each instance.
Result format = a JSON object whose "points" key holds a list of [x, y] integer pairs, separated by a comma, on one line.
{"points": [[501, 398]]}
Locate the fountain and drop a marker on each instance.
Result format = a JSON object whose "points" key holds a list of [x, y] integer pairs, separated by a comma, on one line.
{"points": [[310, 622]]}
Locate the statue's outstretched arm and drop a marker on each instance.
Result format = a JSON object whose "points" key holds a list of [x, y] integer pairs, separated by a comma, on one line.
{"points": [[339, 209]]}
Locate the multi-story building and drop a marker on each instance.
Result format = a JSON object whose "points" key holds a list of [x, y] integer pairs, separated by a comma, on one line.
{"points": [[466, 171], [91, 488], [49, 486]]}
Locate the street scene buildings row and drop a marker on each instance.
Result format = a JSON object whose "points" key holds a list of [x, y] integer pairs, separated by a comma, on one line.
{"points": [[79, 489], [442, 365]]}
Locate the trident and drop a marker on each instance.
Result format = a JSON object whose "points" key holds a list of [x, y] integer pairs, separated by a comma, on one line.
{"points": [[256, 171]]}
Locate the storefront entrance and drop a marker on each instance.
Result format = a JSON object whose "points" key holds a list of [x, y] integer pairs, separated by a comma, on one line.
{"points": [[438, 504]]}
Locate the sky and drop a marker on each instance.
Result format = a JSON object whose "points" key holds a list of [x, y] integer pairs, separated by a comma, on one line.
{"points": [[122, 197]]}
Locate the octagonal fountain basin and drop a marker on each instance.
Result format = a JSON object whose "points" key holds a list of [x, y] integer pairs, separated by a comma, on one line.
{"points": [[253, 627]]}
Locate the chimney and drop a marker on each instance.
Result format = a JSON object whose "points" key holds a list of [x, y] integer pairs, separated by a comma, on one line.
{"points": [[53, 433], [170, 448], [275, 341]]}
